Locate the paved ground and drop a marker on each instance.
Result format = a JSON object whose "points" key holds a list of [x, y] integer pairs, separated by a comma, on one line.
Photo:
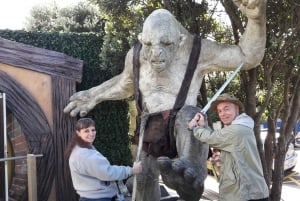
{"points": [[290, 187], [210, 191], [291, 183]]}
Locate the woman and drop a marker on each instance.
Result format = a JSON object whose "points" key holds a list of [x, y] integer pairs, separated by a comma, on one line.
{"points": [[92, 174]]}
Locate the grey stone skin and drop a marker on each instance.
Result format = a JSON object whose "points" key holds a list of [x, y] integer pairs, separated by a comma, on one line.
{"points": [[186, 174]]}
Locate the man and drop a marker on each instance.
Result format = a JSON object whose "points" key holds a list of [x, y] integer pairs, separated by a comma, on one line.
{"points": [[165, 50], [242, 176]]}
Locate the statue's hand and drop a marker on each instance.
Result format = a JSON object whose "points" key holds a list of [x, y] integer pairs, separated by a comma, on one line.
{"points": [[81, 102], [253, 9]]}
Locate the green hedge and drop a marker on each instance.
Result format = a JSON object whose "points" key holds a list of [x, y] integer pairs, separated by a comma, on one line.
{"points": [[112, 116]]}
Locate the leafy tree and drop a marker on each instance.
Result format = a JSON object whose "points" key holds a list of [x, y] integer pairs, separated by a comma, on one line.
{"points": [[83, 17], [124, 20], [281, 81], [272, 89]]}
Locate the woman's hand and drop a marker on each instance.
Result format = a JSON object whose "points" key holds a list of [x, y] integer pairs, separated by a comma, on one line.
{"points": [[137, 167]]}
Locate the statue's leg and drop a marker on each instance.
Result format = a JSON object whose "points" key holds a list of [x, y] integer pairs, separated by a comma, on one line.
{"points": [[148, 181], [187, 173]]}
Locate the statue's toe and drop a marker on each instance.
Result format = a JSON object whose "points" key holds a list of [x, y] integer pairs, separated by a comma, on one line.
{"points": [[164, 163], [178, 166], [181, 176], [190, 175], [198, 184]]}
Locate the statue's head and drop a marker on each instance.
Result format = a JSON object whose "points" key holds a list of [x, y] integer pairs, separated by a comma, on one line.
{"points": [[161, 38]]}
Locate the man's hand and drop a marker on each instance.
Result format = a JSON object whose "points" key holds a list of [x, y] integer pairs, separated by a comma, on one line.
{"points": [[198, 120], [80, 102], [253, 9]]}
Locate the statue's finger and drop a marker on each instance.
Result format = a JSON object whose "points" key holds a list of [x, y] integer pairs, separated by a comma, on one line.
{"points": [[74, 96], [83, 113], [75, 111], [69, 107], [91, 104], [78, 96]]}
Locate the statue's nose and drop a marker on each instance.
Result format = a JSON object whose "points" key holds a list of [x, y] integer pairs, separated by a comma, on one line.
{"points": [[156, 51]]}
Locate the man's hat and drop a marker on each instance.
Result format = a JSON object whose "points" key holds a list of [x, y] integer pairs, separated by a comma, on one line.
{"points": [[227, 98]]}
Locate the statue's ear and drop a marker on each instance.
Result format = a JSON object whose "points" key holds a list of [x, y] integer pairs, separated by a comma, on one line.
{"points": [[182, 39], [140, 37]]}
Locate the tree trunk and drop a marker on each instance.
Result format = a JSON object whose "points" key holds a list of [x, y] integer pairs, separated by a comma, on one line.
{"points": [[277, 178]]}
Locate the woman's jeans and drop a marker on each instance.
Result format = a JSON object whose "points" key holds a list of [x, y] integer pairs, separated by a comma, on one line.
{"points": [[97, 199]]}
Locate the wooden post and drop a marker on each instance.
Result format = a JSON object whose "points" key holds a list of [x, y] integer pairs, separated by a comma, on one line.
{"points": [[31, 173]]}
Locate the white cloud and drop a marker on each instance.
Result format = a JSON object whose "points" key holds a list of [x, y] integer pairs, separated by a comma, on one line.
{"points": [[13, 13]]}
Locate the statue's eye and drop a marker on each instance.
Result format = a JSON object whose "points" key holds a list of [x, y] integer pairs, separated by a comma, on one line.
{"points": [[147, 44], [166, 43]]}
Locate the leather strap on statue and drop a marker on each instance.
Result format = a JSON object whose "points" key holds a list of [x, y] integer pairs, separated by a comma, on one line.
{"points": [[189, 73], [188, 76], [137, 92], [159, 137]]}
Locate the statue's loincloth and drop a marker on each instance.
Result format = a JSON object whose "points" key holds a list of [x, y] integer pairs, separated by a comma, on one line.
{"points": [[158, 136]]}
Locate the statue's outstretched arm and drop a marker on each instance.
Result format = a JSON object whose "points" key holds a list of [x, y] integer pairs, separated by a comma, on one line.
{"points": [[117, 88], [253, 40], [251, 48]]}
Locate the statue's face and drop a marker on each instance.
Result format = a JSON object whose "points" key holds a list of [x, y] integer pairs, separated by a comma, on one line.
{"points": [[160, 39]]}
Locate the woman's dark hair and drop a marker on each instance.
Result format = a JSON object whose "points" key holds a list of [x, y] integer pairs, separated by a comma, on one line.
{"points": [[84, 123], [76, 140]]}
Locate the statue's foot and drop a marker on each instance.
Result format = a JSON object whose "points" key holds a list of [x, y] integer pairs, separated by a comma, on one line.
{"points": [[183, 177]]}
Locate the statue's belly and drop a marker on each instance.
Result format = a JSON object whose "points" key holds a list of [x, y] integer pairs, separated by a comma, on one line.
{"points": [[160, 93], [160, 101]]}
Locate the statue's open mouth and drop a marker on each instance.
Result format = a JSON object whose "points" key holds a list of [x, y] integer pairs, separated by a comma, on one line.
{"points": [[158, 67]]}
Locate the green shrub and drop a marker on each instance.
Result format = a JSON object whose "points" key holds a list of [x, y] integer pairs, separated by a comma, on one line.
{"points": [[111, 117]]}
